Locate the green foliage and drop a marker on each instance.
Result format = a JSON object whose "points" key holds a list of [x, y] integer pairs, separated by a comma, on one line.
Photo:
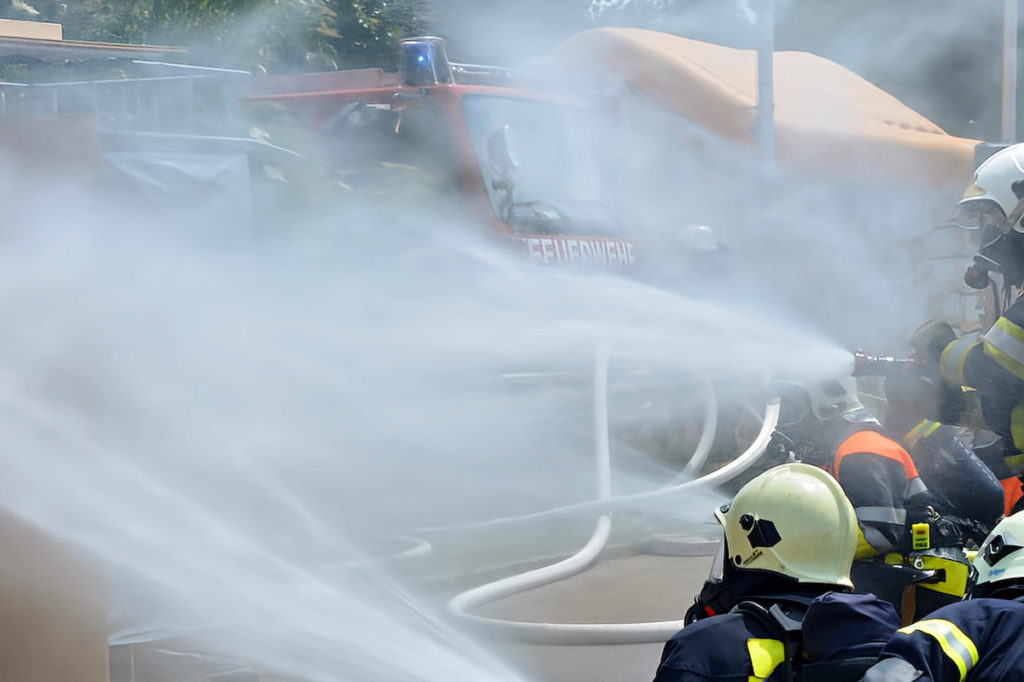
{"points": [[259, 35], [266, 35], [263, 35], [18, 9], [105, 20], [366, 32], [940, 56]]}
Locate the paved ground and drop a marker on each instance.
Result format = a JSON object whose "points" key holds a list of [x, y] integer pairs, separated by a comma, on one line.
{"points": [[636, 589]]}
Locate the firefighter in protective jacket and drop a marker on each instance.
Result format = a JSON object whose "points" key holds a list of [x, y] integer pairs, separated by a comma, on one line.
{"points": [[777, 599], [977, 639], [965, 487], [992, 363], [904, 542]]}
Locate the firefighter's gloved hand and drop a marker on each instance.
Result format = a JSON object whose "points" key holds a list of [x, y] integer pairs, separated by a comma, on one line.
{"points": [[974, 531], [930, 339], [779, 448], [947, 531]]}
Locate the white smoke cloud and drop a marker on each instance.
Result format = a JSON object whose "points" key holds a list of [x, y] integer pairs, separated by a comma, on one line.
{"points": [[234, 424]]}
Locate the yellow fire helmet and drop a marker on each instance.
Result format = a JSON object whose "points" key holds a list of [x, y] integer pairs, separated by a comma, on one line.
{"points": [[1000, 559], [793, 520], [994, 197]]}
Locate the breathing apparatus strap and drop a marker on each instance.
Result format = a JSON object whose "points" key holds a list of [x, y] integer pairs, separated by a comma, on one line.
{"points": [[783, 627]]}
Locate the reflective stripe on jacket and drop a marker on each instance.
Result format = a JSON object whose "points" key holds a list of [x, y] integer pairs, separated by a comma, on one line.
{"points": [[957, 646], [765, 656], [879, 477], [739, 647], [732, 647], [924, 429], [953, 358], [977, 639], [1004, 343], [994, 366]]}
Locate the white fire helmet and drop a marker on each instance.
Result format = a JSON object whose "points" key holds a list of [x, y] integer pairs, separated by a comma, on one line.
{"points": [[833, 397], [793, 520], [1001, 557], [826, 399], [995, 193]]}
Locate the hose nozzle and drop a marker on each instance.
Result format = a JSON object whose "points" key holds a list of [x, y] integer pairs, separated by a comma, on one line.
{"points": [[883, 366]]}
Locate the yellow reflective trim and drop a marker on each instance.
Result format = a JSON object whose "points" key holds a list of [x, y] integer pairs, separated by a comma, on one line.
{"points": [[953, 357], [1016, 462], [955, 644], [922, 430], [1004, 343], [957, 574], [864, 548], [1011, 329], [765, 656], [1005, 361]]}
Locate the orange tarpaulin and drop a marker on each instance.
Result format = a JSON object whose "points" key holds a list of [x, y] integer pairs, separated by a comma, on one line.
{"points": [[827, 118]]}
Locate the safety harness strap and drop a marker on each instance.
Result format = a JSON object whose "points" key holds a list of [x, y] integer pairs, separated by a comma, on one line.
{"points": [[767, 655]]}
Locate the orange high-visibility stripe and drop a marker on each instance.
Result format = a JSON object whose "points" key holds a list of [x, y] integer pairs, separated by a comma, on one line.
{"points": [[875, 443], [1012, 492]]}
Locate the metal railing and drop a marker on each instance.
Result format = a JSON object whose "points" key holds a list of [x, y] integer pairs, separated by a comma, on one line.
{"points": [[181, 99]]}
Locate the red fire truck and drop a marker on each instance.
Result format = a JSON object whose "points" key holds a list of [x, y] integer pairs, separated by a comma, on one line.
{"points": [[513, 155]]}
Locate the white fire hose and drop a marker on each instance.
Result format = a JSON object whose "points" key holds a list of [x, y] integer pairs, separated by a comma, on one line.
{"points": [[604, 633]]}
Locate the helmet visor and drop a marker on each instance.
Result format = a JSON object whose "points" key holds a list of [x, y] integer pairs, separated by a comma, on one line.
{"points": [[717, 573], [980, 214]]}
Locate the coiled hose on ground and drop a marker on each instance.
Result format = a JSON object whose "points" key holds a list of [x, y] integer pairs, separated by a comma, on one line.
{"points": [[604, 633]]}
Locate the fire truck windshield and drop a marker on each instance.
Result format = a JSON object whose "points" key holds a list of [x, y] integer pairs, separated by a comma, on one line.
{"points": [[541, 172], [397, 154]]}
